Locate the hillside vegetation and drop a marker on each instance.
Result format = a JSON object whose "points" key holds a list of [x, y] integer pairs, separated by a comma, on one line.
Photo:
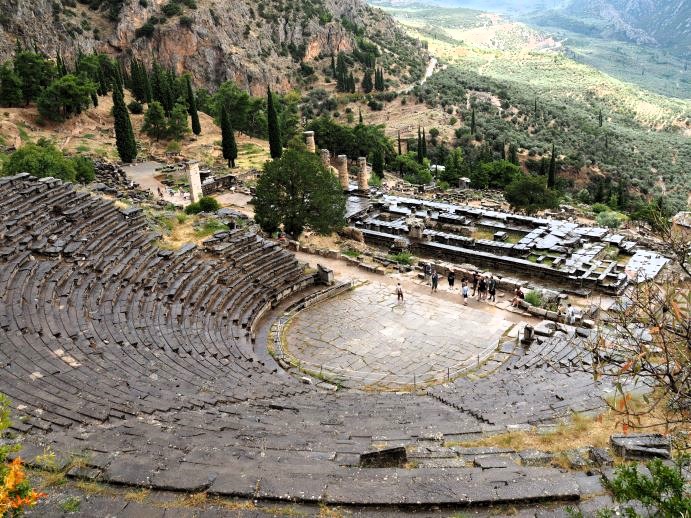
{"points": [[535, 98]]}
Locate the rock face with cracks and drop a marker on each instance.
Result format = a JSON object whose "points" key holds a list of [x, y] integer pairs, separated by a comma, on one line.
{"points": [[253, 44]]}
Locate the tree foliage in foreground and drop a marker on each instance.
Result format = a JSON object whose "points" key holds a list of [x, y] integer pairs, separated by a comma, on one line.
{"points": [[16, 493], [296, 190], [661, 492]]}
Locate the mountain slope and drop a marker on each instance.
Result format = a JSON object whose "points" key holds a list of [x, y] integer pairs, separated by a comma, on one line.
{"points": [[254, 43], [664, 23]]}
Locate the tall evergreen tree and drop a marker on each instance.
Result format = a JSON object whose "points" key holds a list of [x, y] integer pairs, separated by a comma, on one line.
{"points": [[192, 108], [419, 145], [472, 122], [399, 143], [155, 124], [543, 166], [359, 112], [230, 148], [124, 136], [513, 154], [367, 84], [138, 91], [10, 87], [378, 163], [599, 118], [552, 172], [333, 65], [341, 73], [423, 142], [60, 65], [275, 146], [351, 83]]}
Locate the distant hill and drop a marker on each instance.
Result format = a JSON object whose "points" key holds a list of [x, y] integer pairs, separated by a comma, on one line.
{"points": [[663, 23], [270, 42]]}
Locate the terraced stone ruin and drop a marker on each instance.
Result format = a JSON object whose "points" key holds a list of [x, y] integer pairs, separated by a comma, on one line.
{"points": [[564, 253]]}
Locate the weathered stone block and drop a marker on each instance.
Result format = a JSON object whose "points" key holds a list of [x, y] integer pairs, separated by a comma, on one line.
{"points": [[641, 446]]}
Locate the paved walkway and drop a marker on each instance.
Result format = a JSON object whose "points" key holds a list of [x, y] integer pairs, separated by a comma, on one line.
{"points": [[365, 338]]}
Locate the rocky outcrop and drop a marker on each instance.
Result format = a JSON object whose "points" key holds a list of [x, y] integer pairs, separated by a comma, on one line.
{"points": [[254, 44]]}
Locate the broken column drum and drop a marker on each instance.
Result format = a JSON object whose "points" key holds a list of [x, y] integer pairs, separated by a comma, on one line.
{"points": [[309, 141], [363, 174], [342, 166]]}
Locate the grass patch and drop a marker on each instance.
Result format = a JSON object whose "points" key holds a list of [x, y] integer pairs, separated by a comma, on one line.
{"points": [[580, 431], [350, 252], [402, 258], [137, 495], [92, 488], [209, 227], [71, 505], [89, 136], [21, 128], [82, 148], [249, 148]]}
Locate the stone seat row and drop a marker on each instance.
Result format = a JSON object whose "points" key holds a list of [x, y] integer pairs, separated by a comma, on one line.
{"points": [[100, 324]]}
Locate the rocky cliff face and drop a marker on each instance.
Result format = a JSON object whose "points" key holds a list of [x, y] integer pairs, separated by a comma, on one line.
{"points": [[253, 43]]}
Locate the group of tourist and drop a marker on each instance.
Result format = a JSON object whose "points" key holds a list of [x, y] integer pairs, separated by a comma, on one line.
{"points": [[484, 286]]}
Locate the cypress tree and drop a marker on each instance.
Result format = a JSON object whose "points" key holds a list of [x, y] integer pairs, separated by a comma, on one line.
{"points": [[378, 163], [543, 166], [333, 65], [472, 122], [419, 145], [10, 87], [366, 84], [399, 143], [552, 172], [513, 154], [138, 90], [275, 146], [192, 108], [124, 136], [341, 74], [359, 111], [599, 118], [94, 99], [424, 144], [351, 83], [230, 148]]}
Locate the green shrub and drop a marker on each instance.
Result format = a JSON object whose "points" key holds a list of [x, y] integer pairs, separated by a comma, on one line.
{"points": [[205, 204], [611, 219], [84, 169], [663, 493], [534, 298], [600, 207], [402, 258], [172, 9], [136, 107]]}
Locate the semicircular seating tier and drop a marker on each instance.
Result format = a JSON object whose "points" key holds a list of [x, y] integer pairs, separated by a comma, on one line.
{"points": [[141, 361]]}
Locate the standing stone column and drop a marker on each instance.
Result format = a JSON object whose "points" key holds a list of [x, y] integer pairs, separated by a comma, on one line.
{"points": [[326, 157], [342, 166], [363, 175], [195, 181], [309, 141]]}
